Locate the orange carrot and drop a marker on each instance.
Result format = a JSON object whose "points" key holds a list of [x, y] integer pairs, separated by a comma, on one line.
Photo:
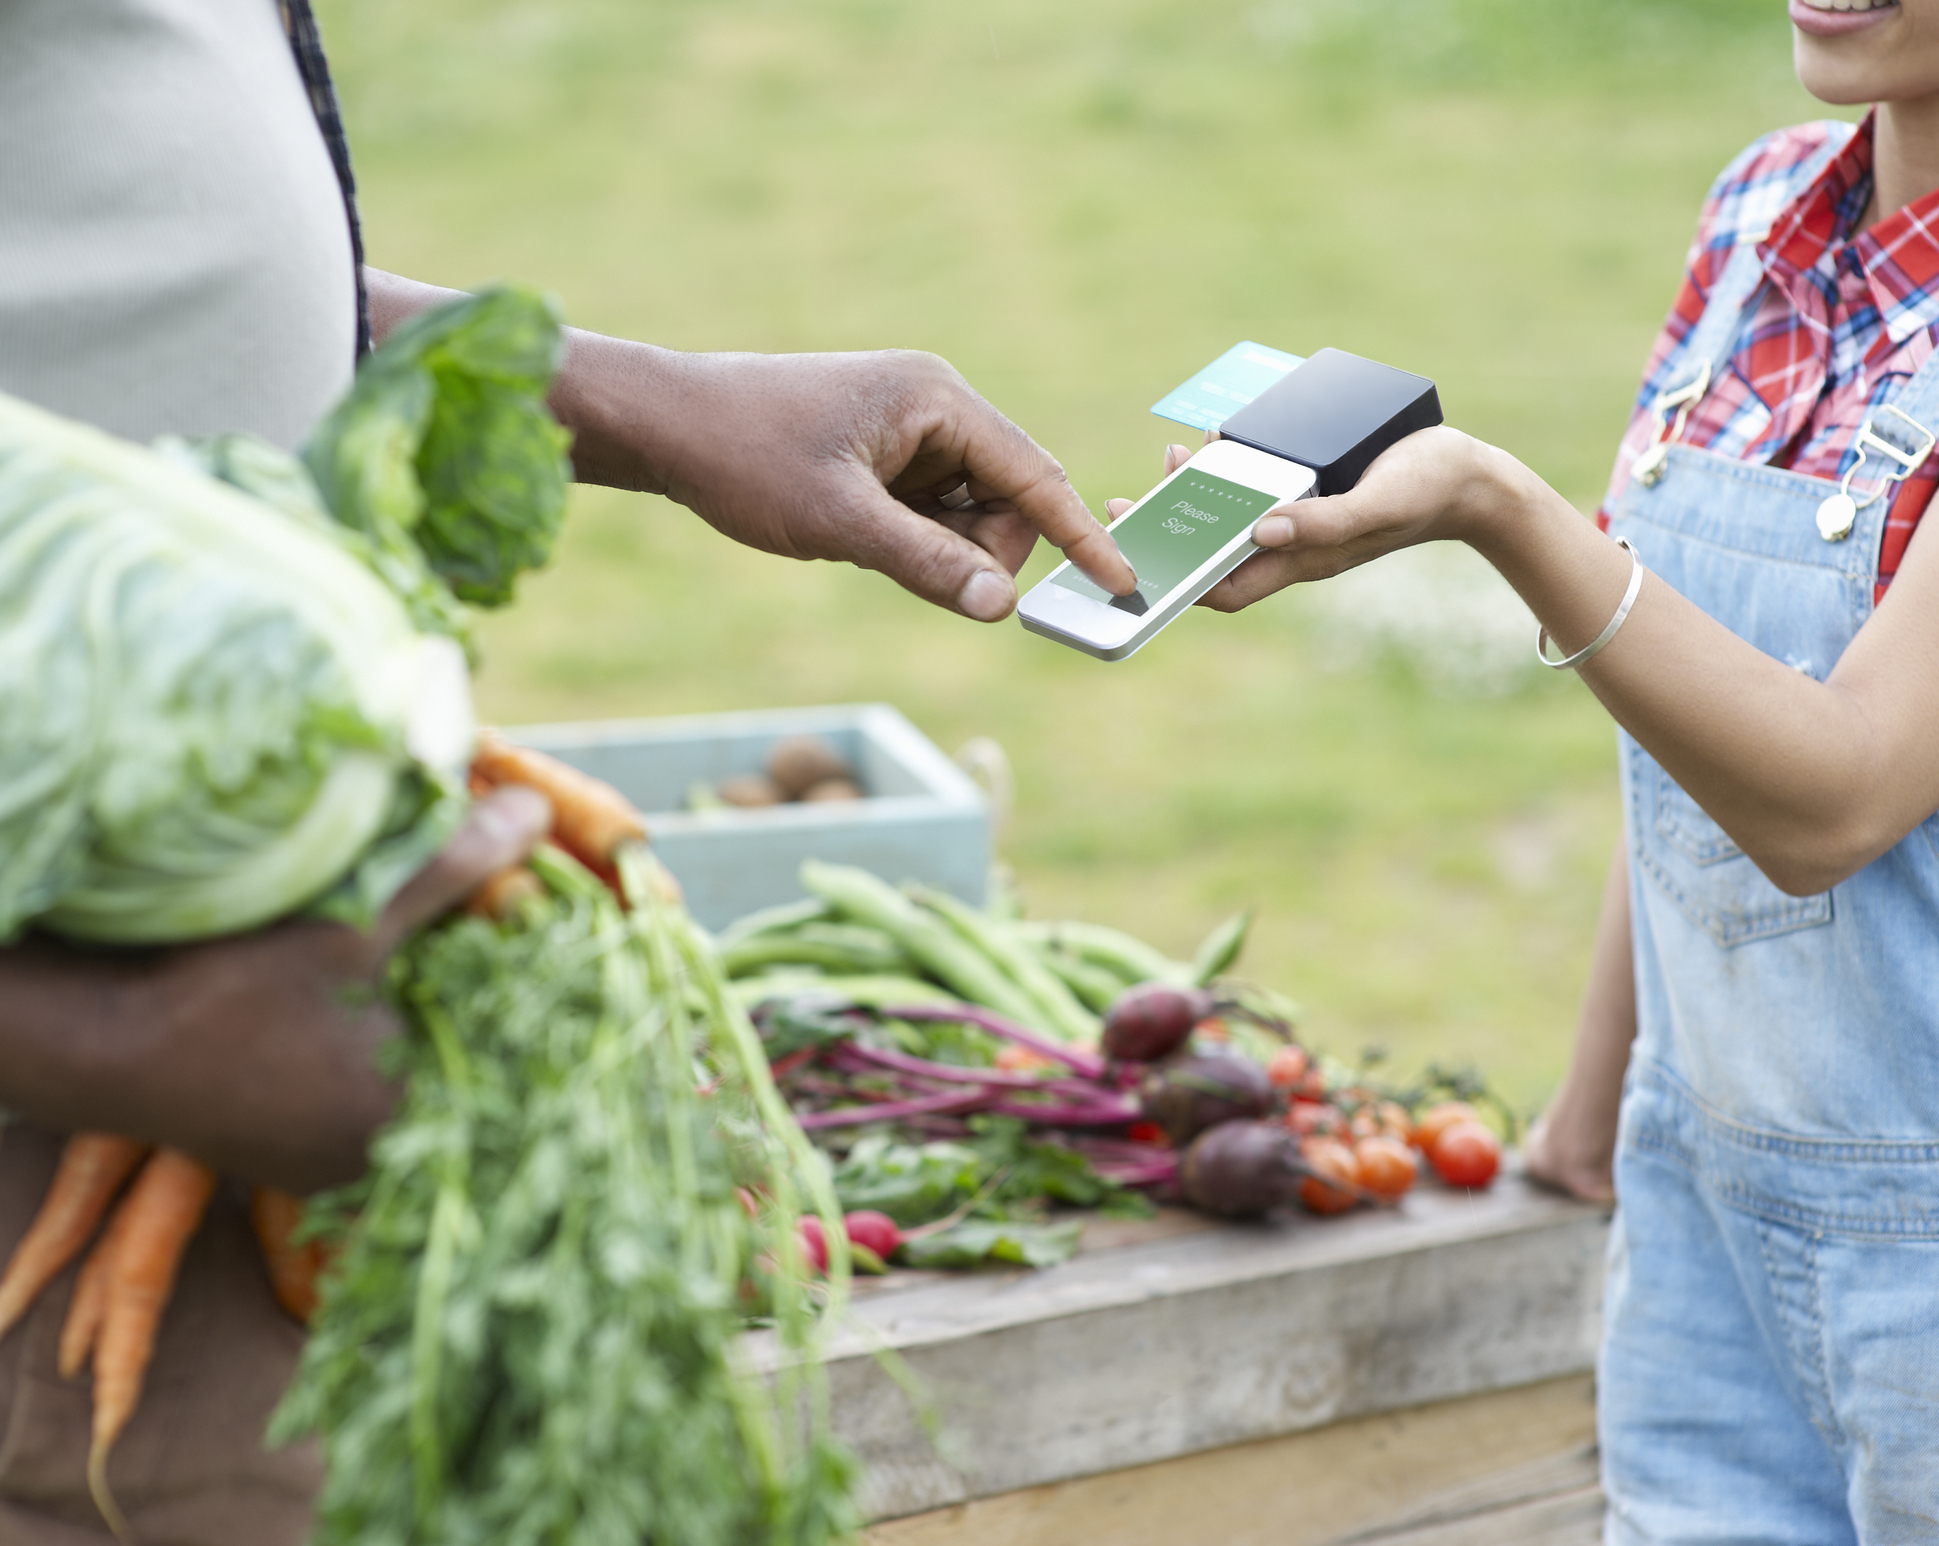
{"points": [[504, 893], [590, 818], [89, 1301], [163, 1210], [92, 1169], [293, 1269]]}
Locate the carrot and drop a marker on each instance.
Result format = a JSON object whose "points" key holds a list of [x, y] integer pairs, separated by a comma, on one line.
{"points": [[504, 893], [89, 1301], [590, 818], [92, 1169], [293, 1269], [153, 1227]]}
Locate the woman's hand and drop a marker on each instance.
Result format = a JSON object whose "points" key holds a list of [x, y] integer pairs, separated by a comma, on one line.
{"points": [[1435, 484]]}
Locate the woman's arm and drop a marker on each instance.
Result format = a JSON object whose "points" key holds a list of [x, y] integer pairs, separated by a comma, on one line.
{"points": [[1813, 780], [1572, 1145]]}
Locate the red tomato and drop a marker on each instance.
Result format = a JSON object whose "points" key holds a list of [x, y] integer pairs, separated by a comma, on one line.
{"points": [[1387, 1165], [1020, 1060], [1386, 1117], [1313, 1086], [1147, 1132], [1288, 1067], [1213, 1029], [814, 1241], [1331, 1158], [1314, 1118], [1466, 1154], [1438, 1117], [874, 1231]]}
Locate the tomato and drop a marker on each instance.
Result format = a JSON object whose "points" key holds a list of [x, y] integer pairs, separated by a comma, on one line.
{"points": [[1021, 1060], [1311, 1118], [1313, 1086], [1437, 1117], [1331, 1158], [1148, 1132], [1465, 1154], [874, 1231], [1288, 1067], [1213, 1029], [1386, 1164], [1382, 1117]]}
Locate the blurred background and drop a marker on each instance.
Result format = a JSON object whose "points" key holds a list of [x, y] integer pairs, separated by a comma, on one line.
{"points": [[1080, 203]]}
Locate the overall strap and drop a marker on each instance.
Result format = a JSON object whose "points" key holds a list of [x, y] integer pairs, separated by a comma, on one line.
{"points": [[1917, 398], [307, 45]]}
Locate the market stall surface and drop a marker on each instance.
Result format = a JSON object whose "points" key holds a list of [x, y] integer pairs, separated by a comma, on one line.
{"points": [[1420, 1376]]}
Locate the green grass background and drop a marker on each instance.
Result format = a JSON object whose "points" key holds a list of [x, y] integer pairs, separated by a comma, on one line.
{"points": [[1080, 203]]}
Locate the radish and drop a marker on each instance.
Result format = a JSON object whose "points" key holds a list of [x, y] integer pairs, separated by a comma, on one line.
{"points": [[1187, 1095], [1153, 1020], [814, 1241], [873, 1231]]}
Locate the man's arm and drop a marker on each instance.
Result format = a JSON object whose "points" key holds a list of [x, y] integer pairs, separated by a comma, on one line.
{"points": [[839, 456], [255, 1053]]}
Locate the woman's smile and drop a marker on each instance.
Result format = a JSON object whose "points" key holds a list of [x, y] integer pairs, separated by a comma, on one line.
{"points": [[1833, 18]]}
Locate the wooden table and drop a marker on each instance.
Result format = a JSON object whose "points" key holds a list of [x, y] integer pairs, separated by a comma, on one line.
{"points": [[1418, 1377]]}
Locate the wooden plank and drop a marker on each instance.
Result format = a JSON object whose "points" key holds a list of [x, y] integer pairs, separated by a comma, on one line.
{"points": [[1512, 1466], [1204, 1341]]}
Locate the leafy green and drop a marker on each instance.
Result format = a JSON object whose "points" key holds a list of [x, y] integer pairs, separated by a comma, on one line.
{"points": [[444, 454], [530, 1336], [979, 1243], [207, 700], [218, 704], [999, 1172]]}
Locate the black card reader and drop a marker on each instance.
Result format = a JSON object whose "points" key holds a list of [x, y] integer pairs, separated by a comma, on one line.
{"points": [[1335, 412]]}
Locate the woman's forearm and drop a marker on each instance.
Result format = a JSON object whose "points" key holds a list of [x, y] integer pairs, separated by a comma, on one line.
{"points": [[1812, 779]]}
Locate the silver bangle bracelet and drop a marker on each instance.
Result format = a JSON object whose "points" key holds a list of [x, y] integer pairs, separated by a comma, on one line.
{"points": [[1622, 612]]}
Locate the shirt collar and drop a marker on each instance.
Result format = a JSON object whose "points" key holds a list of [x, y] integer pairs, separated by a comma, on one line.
{"points": [[1899, 256]]}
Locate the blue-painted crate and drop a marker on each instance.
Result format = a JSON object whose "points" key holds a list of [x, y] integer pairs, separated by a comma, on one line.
{"points": [[924, 818]]}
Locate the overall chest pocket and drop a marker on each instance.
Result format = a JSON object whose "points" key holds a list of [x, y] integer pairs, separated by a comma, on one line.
{"points": [[1697, 865]]}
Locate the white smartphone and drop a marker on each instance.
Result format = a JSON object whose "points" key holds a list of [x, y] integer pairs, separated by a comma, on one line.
{"points": [[1186, 535]]}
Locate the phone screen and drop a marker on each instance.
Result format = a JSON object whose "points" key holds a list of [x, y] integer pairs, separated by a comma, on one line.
{"points": [[1172, 533]]}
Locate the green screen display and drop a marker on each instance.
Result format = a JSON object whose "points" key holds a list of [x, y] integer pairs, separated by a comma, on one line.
{"points": [[1175, 531]]}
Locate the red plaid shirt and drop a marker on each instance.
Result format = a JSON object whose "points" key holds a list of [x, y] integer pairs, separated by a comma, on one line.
{"points": [[1842, 319]]}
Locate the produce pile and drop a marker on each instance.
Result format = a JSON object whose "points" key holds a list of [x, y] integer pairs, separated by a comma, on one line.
{"points": [[970, 1074], [798, 769], [237, 692]]}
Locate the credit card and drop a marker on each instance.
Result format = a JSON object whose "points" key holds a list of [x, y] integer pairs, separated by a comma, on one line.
{"points": [[1225, 386]]}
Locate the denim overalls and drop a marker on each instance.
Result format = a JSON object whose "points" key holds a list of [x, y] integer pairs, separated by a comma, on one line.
{"points": [[1770, 1368]]}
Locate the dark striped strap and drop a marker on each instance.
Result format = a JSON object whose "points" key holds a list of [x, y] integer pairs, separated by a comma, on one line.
{"points": [[307, 44]]}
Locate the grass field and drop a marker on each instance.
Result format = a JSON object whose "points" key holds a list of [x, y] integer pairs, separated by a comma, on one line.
{"points": [[1079, 204]]}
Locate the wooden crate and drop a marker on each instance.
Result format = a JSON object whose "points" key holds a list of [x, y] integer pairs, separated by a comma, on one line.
{"points": [[1420, 1376], [924, 820]]}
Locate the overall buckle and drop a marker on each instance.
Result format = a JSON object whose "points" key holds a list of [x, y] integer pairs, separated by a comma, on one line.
{"points": [[1647, 469], [1839, 511]]}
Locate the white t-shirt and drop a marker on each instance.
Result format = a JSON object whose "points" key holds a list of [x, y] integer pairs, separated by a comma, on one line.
{"points": [[174, 252]]}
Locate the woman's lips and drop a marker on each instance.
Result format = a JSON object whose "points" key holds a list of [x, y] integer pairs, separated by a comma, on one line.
{"points": [[1826, 23]]}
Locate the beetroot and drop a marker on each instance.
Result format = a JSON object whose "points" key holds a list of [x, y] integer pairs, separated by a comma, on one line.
{"points": [[1241, 1169], [1189, 1094], [1152, 1020], [873, 1231]]}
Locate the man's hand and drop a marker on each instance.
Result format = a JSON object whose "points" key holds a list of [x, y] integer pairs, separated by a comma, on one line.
{"points": [[842, 456], [256, 1053]]}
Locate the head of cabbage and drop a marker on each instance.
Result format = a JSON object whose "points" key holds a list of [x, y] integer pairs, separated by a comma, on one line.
{"points": [[232, 683]]}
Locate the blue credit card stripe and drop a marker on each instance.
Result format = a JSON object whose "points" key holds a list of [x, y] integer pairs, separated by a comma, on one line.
{"points": [[1231, 381]]}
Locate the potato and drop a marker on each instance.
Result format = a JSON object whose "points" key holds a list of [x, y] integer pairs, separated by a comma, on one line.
{"points": [[749, 789], [832, 789], [798, 762]]}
